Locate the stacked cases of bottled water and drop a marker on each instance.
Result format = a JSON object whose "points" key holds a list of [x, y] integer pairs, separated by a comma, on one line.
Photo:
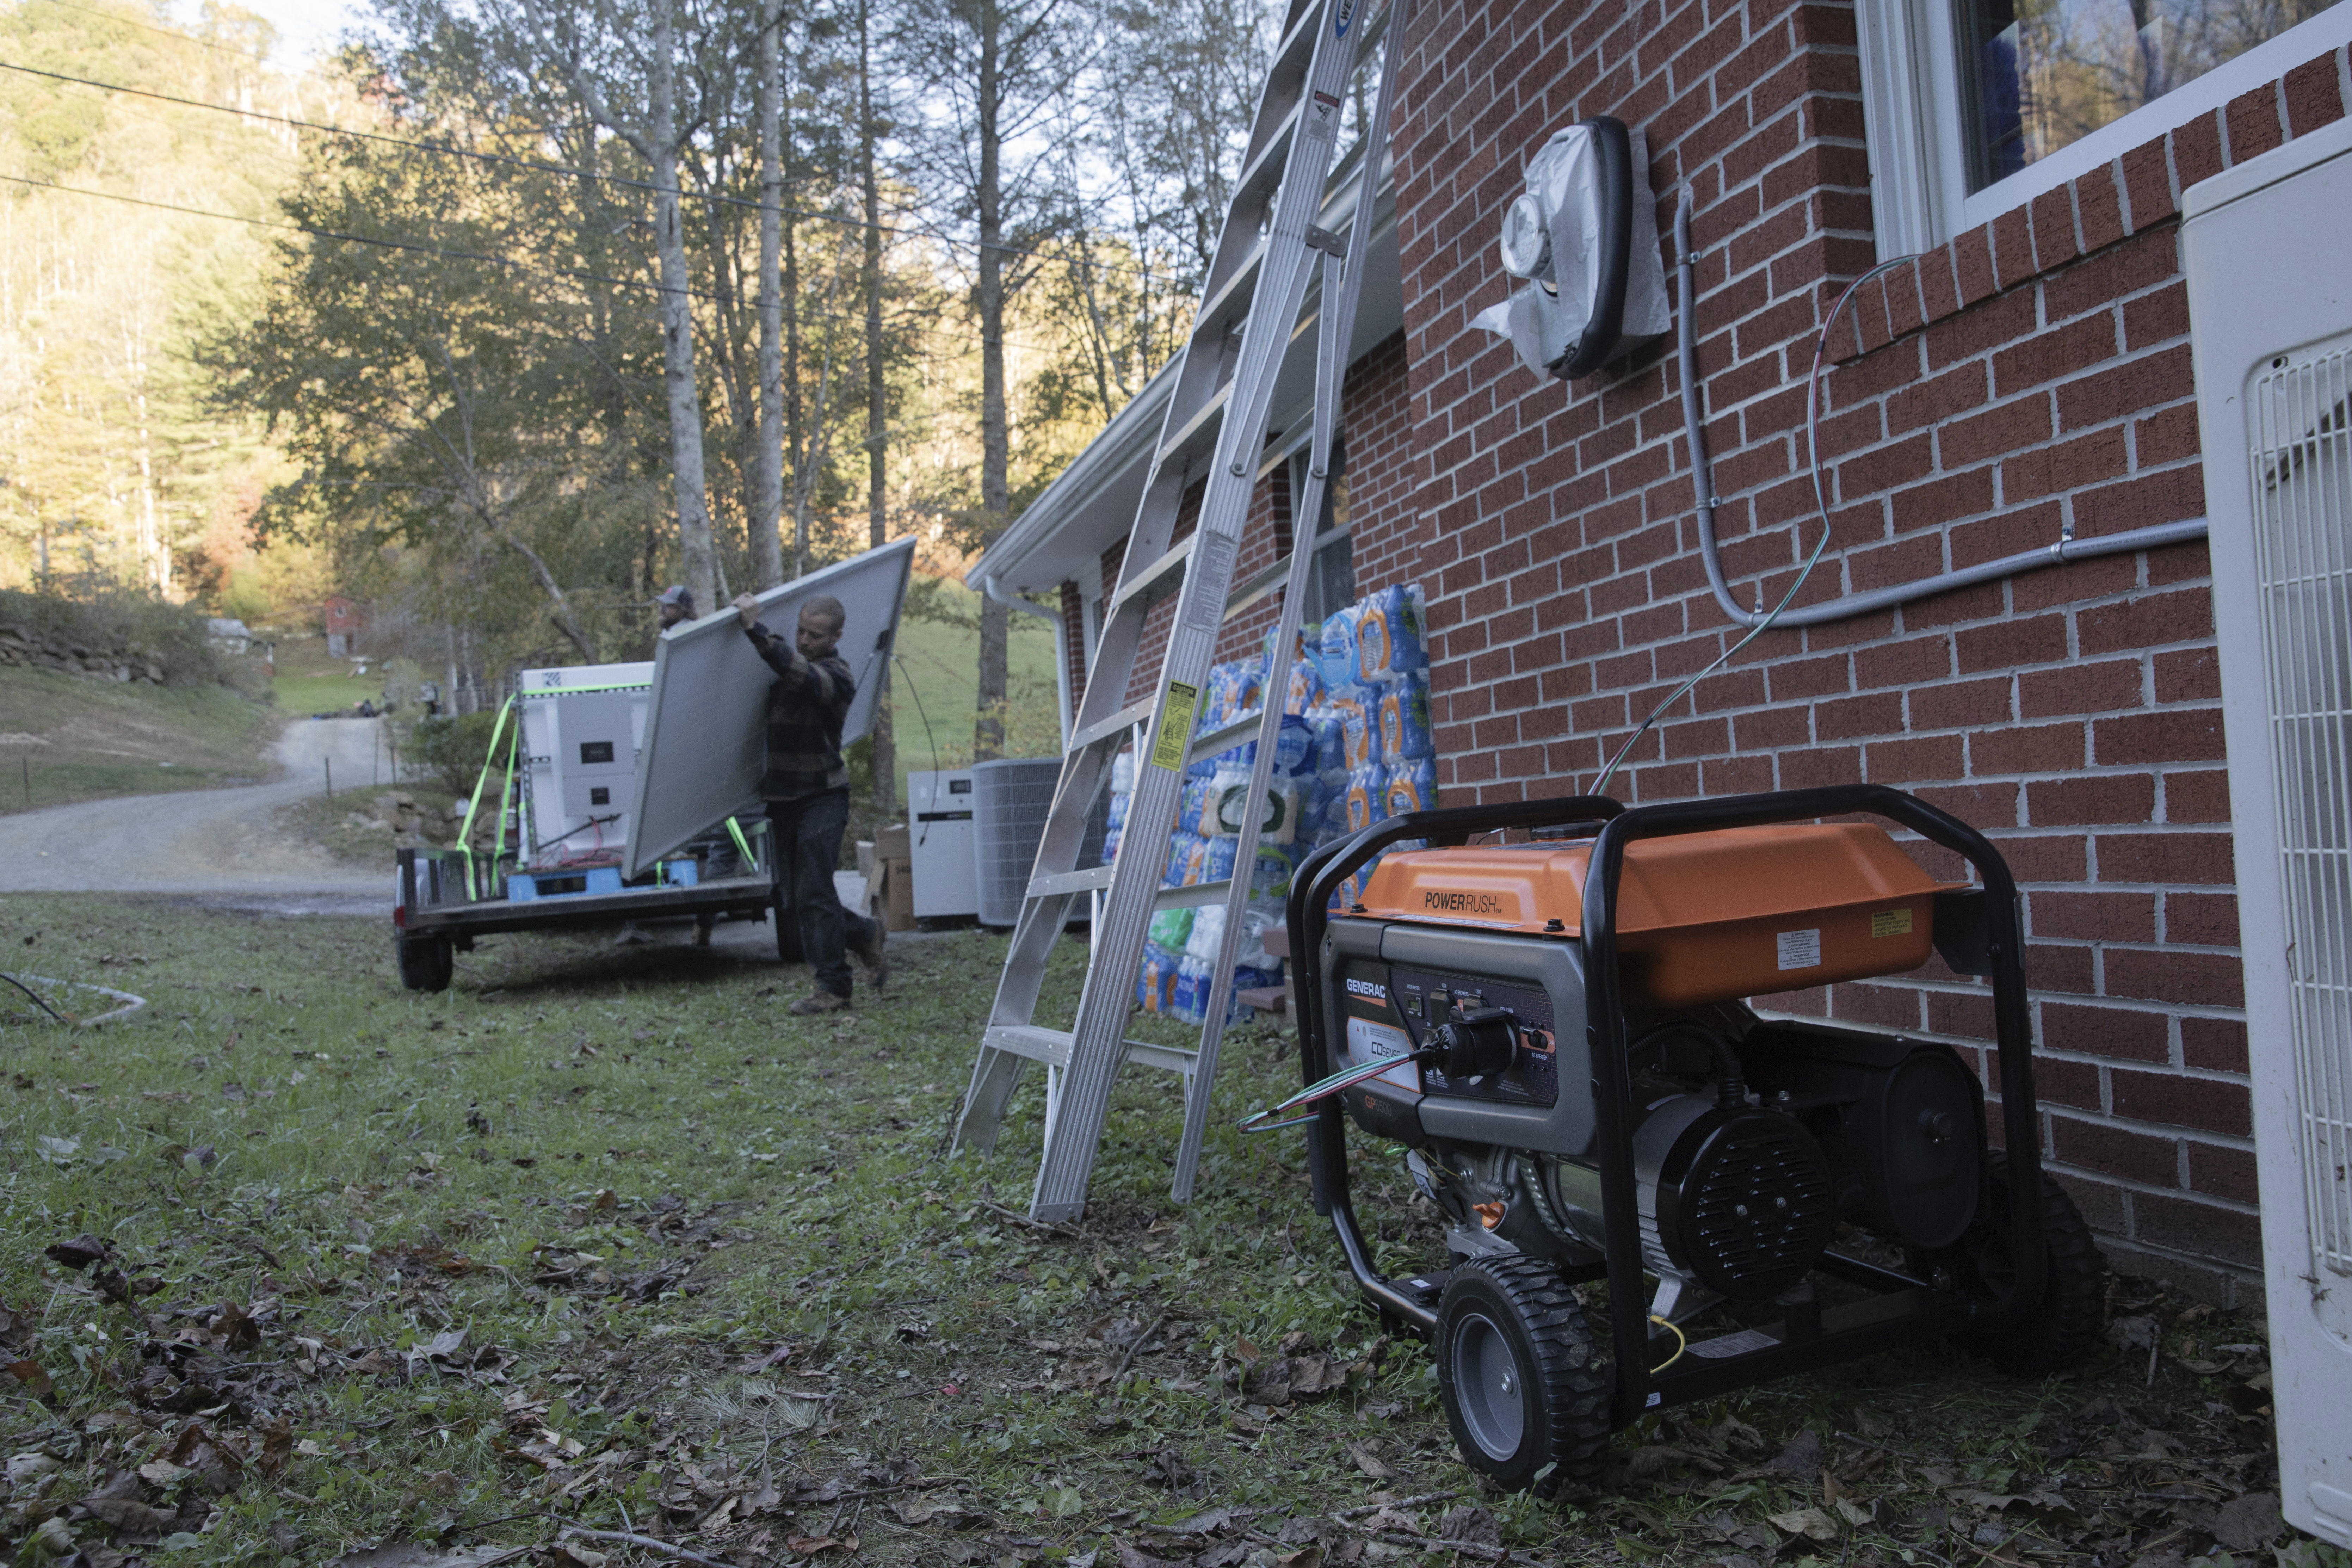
{"points": [[1354, 749]]}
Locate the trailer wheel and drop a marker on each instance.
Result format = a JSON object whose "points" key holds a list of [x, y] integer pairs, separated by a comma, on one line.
{"points": [[2072, 1312], [1522, 1384], [426, 963]]}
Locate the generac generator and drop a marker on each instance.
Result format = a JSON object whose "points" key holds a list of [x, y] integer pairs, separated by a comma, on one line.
{"points": [[1554, 1034]]}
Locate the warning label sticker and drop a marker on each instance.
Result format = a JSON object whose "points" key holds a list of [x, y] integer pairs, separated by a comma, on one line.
{"points": [[1176, 727], [1368, 1041], [1890, 922], [1800, 949]]}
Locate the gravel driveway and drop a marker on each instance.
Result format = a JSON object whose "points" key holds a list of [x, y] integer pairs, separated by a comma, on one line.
{"points": [[221, 843]]}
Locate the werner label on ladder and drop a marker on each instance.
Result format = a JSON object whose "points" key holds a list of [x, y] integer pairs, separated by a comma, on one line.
{"points": [[1267, 254]]}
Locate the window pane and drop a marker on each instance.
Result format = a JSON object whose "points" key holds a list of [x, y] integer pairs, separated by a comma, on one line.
{"points": [[2038, 74]]}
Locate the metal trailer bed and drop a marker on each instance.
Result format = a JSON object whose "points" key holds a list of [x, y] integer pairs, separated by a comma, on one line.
{"points": [[433, 919]]}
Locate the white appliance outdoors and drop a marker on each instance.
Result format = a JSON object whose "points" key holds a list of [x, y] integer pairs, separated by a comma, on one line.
{"points": [[2270, 304], [942, 840], [583, 727]]}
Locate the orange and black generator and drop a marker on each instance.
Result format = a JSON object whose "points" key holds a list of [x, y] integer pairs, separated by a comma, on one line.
{"points": [[1556, 1036]]}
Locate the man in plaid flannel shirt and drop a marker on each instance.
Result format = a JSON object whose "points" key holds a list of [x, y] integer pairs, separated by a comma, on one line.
{"points": [[807, 791]]}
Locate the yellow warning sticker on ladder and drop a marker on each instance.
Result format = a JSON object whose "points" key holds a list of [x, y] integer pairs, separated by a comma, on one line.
{"points": [[1175, 726]]}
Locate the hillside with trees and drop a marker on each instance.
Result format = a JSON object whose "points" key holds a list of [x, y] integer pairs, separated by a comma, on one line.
{"points": [[513, 312]]}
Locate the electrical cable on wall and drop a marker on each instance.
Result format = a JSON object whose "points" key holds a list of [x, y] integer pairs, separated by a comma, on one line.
{"points": [[1759, 620], [2066, 548]]}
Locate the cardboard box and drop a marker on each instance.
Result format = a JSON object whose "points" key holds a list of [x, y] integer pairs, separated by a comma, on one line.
{"points": [[893, 842], [898, 894]]}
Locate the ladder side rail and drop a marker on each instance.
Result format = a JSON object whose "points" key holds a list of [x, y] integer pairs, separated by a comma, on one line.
{"points": [[996, 1074], [1099, 1046], [1342, 290]]}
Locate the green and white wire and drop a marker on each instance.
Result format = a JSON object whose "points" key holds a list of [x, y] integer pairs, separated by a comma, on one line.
{"points": [[1345, 1078]]}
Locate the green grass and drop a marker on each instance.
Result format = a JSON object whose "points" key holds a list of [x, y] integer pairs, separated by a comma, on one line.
{"points": [[323, 693], [97, 738], [939, 679], [702, 1252]]}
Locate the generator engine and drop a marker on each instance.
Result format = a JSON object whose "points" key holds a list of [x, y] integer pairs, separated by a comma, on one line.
{"points": [[1742, 1175], [1654, 1121]]}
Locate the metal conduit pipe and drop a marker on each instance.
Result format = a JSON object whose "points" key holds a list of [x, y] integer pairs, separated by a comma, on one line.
{"points": [[2067, 548]]}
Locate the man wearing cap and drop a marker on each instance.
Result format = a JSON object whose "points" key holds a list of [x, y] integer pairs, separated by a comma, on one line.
{"points": [[676, 606], [807, 791]]}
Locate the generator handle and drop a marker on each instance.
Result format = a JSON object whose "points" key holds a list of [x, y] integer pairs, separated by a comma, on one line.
{"points": [[1307, 915], [1605, 1032]]}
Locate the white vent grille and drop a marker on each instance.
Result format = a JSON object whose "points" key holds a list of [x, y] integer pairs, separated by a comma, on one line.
{"points": [[2301, 471]]}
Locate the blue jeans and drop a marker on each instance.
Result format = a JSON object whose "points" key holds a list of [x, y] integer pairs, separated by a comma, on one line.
{"points": [[807, 837]]}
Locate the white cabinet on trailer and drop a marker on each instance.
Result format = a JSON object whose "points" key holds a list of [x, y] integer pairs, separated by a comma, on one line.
{"points": [[583, 727], [2270, 304]]}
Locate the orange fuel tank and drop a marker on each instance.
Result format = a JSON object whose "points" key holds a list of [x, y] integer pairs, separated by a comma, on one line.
{"points": [[1701, 917]]}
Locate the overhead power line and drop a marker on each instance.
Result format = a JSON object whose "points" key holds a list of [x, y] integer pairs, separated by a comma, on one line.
{"points": [[414, 247], [410, 247], [450, 149]]}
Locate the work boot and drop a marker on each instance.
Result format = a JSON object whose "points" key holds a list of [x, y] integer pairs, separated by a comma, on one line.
{"points": [[876, 961], [817, 1002]]}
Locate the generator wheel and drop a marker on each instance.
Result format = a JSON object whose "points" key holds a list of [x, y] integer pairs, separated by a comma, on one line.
{"points": [[2073, 1313], [1521, 1382], [426, 963]]}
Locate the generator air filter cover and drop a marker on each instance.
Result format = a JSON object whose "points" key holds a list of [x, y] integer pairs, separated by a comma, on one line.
{"points": [[1701, 917]]}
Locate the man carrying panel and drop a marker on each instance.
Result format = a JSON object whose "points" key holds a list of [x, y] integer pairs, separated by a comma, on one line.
{"points": [[807, 792]]}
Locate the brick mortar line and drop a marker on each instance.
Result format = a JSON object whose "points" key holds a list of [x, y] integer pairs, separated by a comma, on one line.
{"points": [[2135, 1185], [2196, 1135]]}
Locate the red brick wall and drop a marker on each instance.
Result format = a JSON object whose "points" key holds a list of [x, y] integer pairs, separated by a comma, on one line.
{"points": [[2028, 374], [1387, 529]]}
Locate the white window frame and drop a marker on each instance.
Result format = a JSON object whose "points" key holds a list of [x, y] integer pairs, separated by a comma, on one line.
{"points": [[1912, 126]]}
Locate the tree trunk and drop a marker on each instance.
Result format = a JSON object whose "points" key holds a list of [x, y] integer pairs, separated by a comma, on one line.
{"points": [[791, 382], [877, 510], [768, 469], [995, 437], [695, 547]]}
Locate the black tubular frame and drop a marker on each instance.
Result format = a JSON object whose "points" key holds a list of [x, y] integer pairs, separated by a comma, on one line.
{"points": [[1907, 1311]]}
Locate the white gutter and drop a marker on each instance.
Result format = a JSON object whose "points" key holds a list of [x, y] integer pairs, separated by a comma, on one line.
{"points": [[989, 585]]}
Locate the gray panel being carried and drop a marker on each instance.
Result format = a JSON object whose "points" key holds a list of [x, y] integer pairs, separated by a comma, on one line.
{"points": [[705, 744]]}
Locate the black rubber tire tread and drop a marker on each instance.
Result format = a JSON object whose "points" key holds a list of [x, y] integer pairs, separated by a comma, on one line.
{"points": [[2073, 1314], [1570, 1410], [426, 963]]}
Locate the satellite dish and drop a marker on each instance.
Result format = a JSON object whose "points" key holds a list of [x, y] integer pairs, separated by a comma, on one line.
{"points": [[1583, 237]]}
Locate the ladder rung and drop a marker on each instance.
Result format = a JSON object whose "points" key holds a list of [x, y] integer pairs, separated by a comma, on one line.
{"points": [[1051, 1046], [1266, 169], [1175, 1058], [1259, 585], [1213, 308], [1117, 723], [1241, 728], [1200, 429], [1199, 895], [1167, 568], [1054, 886]]}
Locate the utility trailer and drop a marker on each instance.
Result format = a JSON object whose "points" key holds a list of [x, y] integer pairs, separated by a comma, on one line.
{"points": [[632, 792], [561, 785]]}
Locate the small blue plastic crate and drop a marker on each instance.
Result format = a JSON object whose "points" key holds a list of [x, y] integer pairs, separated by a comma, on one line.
{"points": [[523, 887]]}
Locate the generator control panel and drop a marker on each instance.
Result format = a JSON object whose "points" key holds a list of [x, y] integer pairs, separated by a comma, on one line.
{"points": [[1392, 1010]]}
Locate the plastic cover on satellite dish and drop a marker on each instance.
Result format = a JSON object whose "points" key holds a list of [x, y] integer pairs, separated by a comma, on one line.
{"points": [[706, 740], [1563, 184]]}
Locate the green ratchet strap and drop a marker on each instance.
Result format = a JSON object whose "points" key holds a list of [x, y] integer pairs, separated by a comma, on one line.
{"points": [[474, 803], [741, 847]]}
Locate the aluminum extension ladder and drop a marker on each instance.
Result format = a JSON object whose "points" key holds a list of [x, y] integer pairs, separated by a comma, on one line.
{"points": [[1218, 414]]}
